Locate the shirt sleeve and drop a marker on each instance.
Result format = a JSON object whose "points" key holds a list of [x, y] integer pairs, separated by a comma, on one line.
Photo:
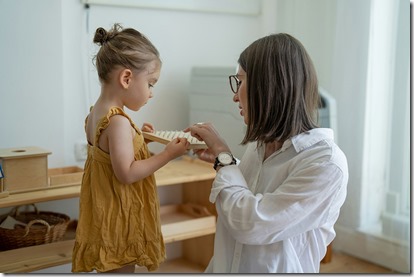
{"points": [[301, 203]]}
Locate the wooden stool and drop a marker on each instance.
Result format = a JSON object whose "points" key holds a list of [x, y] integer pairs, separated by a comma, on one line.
{"points": [[328, 255]]}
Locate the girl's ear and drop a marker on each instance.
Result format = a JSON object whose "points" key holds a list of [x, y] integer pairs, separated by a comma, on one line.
{"points": [[125, 78]]}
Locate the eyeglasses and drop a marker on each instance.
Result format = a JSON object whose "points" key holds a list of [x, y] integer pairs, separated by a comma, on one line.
{"points": [[234, 83]]}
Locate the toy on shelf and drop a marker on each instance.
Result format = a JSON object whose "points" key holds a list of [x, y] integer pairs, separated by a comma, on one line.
{"points": [[24, 168]]}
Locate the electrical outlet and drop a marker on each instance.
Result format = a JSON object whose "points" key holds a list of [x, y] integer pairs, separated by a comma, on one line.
{"points": [[81, 150]]}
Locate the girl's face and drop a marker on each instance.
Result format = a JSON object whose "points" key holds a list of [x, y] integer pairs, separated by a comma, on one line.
{"points": [[241, 95], [140, 89]]}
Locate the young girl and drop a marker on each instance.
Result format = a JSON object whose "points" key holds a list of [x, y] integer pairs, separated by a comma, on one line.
{"points": [[278, 206], [119, 221]]}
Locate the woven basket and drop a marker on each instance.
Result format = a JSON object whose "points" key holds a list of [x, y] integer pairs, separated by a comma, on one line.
{"points": [[41, 228]]}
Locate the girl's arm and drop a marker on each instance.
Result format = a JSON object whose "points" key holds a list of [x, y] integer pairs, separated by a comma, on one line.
{"points": [[121, 150]]}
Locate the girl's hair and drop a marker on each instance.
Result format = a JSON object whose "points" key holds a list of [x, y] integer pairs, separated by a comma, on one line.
{"points": [[122, 47], [282, 89]]}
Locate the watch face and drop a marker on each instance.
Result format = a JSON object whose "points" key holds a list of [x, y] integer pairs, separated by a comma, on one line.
{"points": [[225, 158]]}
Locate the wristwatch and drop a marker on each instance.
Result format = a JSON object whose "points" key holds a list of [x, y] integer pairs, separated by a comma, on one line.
{"points": [[223, 159]]}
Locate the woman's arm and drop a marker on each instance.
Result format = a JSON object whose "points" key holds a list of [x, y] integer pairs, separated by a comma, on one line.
{"points": [[301, 203], [216, 144]]}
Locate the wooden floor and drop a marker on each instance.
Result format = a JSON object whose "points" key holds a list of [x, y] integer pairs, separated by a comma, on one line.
{"points": [[342, 263]]}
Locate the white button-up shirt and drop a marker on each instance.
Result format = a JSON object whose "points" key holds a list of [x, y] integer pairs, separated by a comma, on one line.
{"points": [[277, 215]]}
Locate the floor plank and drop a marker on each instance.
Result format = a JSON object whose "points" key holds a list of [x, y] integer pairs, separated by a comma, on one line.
{"points": [[340, 263]]}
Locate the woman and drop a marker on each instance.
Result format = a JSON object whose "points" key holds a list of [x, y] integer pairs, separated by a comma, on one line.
{"points": [[277, 207]]}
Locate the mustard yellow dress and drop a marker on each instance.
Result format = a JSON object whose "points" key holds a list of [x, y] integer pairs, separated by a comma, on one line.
{"points": [[119, 224]]}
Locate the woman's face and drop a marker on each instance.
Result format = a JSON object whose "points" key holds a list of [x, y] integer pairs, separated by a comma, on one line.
{"points": [[241, 95]]}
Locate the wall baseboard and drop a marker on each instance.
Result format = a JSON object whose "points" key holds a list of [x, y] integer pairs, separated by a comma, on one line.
{"points": [[375, 249]]}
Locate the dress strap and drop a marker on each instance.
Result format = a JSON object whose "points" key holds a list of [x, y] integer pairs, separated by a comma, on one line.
{"points": [[103, 124], [86, 119]]}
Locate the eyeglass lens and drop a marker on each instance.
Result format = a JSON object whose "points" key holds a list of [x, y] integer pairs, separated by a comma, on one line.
{"points": [[234, 83]]}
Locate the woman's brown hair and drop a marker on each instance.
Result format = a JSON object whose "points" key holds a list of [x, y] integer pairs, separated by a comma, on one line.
{"points": [[122, 47], [282, 89]]}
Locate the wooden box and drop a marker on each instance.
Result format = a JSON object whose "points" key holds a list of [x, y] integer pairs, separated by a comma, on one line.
{"points": [[24, 168], [65, 176]]}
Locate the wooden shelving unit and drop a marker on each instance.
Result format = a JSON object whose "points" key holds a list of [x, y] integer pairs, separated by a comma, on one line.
{"points": [[193, 222]]}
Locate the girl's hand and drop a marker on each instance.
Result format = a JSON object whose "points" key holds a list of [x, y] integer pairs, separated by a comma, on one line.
{"points": [[177, 147], [147, 127], [207, 133]]}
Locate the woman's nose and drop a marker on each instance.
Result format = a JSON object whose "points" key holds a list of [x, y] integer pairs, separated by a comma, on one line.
{"points": [[236, 97]]}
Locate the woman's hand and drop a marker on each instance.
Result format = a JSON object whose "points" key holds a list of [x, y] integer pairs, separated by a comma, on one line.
{"points": [[207, 132], [205, 155]]}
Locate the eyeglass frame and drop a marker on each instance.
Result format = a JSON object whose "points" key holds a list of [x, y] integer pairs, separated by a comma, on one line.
{"points": [[238, 83]]}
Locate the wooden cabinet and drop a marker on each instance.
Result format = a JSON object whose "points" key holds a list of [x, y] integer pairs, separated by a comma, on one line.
{"points": [[192, 222]]}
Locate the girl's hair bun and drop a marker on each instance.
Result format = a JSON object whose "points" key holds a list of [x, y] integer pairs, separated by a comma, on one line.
{"points": [[127, 48], [101, 36]]}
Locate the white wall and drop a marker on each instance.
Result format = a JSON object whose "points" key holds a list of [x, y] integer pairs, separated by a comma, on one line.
{"points": [[45, 63], [184, 39], [31, 76], [313, 23], [47, 80], [335, 34]]}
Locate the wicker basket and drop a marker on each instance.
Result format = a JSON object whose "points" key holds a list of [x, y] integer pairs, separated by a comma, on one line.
{"points": [[52, 228]]}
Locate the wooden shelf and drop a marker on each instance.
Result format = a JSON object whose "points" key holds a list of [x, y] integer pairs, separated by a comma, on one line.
{"points": [[36, 257], [53, 254], [174, 266], [179, 222], [185, 170], [24, 198]]}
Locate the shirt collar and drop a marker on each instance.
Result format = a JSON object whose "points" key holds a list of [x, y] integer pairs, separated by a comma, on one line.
{"points": [[307, 139]]}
